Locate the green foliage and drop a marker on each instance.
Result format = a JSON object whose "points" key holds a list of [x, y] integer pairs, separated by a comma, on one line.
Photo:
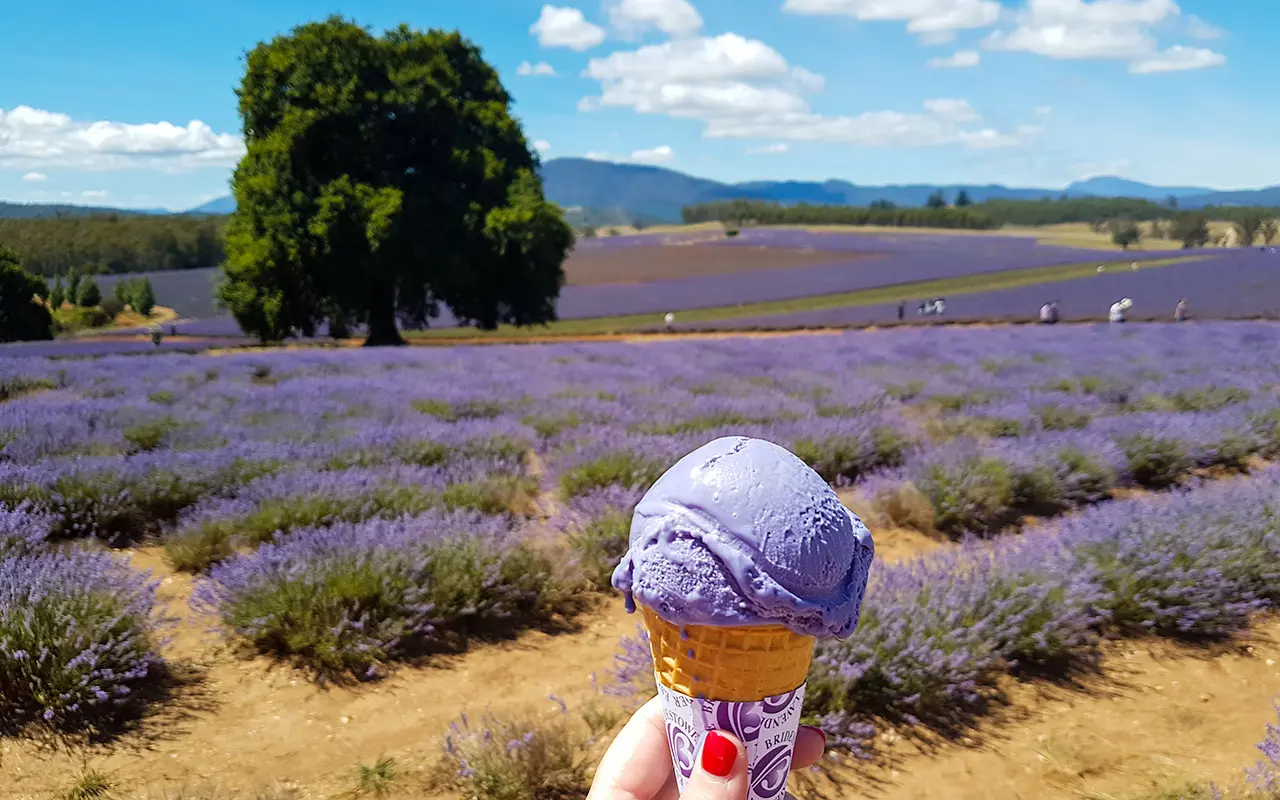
{"points": [[962, 199], [1126, 234], [138, 294], [58, 294], [73, 284], [92, 784], [1270, 228], [936, 200], [1192, 230], [88, 294], [75, 318], [600, 545], [1062, 418], [23, 314], [113, 243], [385, 176], [762, 213], [623, 468], [111, 307], [976, 496], [375, 779], [1247, 228], [1155, 462]]}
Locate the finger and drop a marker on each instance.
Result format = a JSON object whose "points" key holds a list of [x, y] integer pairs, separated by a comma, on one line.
{"points": [[721, 771], [637, 766], [811, 743]]}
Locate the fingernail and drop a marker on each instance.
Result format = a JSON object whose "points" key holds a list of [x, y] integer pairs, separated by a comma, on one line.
{"points": [[821, 733], [718, 755]]}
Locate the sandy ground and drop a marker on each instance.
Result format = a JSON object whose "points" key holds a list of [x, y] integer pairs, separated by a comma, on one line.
{"points": [[1156, 715]]}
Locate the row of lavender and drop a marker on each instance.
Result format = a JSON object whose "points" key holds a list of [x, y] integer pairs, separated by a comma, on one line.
{"points": [[937, 634]]}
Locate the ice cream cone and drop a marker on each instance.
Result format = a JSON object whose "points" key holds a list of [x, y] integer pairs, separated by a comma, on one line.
{"points": [[735, 664]]}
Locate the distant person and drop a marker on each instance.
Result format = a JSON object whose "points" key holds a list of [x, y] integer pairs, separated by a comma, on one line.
{"points": [[1120, 310], [669, 320], [940, 306], [1180, 310], [902, 311], [1049, 313]]}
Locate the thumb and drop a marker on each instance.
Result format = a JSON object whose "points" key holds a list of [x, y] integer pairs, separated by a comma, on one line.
{"points": [[721, 773]]}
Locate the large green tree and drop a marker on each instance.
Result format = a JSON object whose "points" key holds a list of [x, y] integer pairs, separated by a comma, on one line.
{"points": [[23, 315], [385, 176]]}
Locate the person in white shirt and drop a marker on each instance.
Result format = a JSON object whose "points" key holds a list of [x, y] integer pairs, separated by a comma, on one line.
{"points": [[1180, 311], [1046, 314], [1119, 310]]}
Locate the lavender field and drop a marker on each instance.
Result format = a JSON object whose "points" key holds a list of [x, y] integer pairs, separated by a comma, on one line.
{"points": [[857, 261], [347, 512]]}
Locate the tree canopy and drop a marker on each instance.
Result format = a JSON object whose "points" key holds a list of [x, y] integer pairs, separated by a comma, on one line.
{"points": [[23, 315], [385, 176]]}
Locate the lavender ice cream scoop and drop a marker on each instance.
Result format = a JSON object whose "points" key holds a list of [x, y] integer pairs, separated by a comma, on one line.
{"points": [[741, 532]]}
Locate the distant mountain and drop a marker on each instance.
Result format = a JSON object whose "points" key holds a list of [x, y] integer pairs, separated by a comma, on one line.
{"points": [[601, 193], [222, 205], [1108, 186]]}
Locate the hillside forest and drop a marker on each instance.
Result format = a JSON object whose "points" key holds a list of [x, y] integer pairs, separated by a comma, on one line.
{"points": [[123, 243]]}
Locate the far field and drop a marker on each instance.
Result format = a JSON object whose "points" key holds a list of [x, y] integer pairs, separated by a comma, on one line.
{"points": [[787, 278]]}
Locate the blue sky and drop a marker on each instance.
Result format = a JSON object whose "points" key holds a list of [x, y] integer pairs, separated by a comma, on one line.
{"points": [[136, 109]]}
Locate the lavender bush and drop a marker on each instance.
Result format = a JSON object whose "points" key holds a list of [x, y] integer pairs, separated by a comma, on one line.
{"points": [[347, 599], [77, 640], [524, 759]]}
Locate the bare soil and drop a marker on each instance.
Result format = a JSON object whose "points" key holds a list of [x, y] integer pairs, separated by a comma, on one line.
{"points": [[1156, 715], [684, 259]]}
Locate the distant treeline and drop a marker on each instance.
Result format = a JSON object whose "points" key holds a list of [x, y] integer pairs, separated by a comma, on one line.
{"points": [[1101, 209], [750, 212], [114, 243], [985, 215]]}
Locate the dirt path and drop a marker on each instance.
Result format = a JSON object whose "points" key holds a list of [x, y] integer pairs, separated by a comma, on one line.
{"points": [[1160, 715]]}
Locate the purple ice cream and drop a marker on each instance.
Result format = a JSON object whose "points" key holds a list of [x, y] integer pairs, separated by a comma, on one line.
{"points": [[741, 532]]}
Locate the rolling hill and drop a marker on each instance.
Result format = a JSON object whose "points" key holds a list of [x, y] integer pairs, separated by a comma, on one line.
{"points": [[604, 193]]}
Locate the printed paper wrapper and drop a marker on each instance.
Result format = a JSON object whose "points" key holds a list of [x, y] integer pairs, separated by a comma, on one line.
{"points": [[767, 727]]}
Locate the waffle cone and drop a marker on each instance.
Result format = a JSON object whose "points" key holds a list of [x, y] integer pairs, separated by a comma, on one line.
{"points": [[733, 664]]}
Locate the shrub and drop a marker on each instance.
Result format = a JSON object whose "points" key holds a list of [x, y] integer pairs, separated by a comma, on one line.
{"points": [[1155, 462], [76, 641], [1081, 478], [621, 468], [973, 495], [1062, 418], [111, 307], [346, 600], [838, 459], [523, 759], [15, 386], [88, 294]]}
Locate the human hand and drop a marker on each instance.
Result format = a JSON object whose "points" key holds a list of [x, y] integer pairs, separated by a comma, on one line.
{"points": [[638, 765]]}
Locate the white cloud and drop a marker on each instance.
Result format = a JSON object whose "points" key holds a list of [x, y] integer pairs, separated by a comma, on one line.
{"points": [[35, 177], [1101, 29], [742, 88], [1202, 29], [657, 155], [1176, 59], [541, 68], [769, 150], [94, 194], [934, 20], [542, 145], [672, 17], [31, 137], [960, 60], [566, 27]]}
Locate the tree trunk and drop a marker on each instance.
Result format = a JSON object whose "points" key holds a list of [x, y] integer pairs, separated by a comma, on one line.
{"points": [[382, 318]]}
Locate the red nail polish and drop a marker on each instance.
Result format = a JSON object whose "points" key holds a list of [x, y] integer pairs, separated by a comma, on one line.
{"points": [[718, 754]]}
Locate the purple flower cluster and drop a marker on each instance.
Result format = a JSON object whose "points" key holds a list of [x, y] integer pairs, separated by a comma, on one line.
{"points": [[347, 599], [77, 637]]}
